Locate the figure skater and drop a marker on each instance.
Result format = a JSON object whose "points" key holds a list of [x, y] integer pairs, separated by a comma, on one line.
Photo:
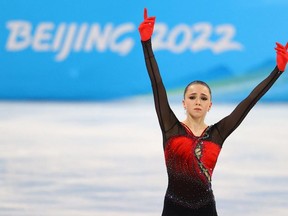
{"points": [[191, 147]]}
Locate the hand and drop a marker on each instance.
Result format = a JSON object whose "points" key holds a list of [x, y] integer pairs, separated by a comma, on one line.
{"points": [[146, 27], [282, 56]]}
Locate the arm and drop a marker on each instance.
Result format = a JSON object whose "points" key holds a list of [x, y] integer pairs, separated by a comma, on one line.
{"points": [[166, 117], [227, 125]]}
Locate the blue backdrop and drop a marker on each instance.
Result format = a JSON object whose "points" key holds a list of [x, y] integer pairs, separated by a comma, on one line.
{"points": [[90, 50]]}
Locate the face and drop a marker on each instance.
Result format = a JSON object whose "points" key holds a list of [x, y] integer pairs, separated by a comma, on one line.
{"points": [[197, 101]]}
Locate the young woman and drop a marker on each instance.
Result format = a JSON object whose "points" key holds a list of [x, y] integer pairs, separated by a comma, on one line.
{"points": [[192, 147]]}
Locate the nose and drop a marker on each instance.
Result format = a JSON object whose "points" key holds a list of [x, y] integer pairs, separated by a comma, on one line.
{"points": [[198, 101]]}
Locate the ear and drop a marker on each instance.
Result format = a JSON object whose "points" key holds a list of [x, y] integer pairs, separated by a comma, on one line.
{"points": [[183, 103], [209, 106]]}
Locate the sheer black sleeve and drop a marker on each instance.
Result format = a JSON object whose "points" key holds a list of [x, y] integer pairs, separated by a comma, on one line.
{"points": [[227, 125], [166, 117]]}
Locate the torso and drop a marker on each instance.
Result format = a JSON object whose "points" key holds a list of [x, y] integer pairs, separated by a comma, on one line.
{"points": [[190, 161]]}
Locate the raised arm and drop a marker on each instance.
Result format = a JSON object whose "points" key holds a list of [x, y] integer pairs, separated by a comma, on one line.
{"points": [[166, 117], [227, 125]]}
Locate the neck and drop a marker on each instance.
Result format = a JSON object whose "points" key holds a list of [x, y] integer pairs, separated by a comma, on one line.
{"points": [[197, 126]]}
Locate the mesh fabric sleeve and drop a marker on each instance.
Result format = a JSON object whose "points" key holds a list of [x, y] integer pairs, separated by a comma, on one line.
{"points": [[166, 117], [227, 125]]}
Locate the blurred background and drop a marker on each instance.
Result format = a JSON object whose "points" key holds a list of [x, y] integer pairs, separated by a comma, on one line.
{"points": [[78, 130], [67, 50]]}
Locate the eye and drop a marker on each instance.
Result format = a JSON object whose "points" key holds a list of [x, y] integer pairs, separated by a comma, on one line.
{"points": [[192, 97], [204, 98]]}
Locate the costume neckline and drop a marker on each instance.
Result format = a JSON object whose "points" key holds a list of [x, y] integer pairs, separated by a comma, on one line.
{"points": [[191, 132]]}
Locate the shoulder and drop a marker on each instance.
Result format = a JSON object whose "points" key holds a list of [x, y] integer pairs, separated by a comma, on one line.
{"points": [[213, 134]]}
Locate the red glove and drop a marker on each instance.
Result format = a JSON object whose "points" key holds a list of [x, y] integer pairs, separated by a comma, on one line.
{"points": [[146, 27], [282, 56]]}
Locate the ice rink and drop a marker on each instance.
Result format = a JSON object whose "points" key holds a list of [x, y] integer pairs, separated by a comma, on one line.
{"points": [[106, 159]]}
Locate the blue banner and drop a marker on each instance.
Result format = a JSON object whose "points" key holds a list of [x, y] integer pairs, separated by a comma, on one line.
{"points": [[91, 50]]}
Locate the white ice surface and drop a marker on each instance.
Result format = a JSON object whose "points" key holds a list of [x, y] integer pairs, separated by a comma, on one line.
{"points": [[106, 159]]}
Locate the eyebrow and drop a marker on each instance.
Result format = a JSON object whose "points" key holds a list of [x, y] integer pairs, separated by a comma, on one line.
{"points": [[202, 94]]}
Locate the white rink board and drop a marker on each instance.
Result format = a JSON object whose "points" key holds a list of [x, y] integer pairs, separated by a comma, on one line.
{"points": [[106, 159]]}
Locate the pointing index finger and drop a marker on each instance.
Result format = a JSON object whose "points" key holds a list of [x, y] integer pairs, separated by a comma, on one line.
{"points": [[145, 13]]}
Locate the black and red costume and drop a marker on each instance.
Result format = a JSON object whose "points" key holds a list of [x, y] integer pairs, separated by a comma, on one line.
{"points": [[190, 159]]}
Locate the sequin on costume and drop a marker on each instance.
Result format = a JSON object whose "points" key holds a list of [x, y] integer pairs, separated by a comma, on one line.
{"points": [[190, 160]]}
